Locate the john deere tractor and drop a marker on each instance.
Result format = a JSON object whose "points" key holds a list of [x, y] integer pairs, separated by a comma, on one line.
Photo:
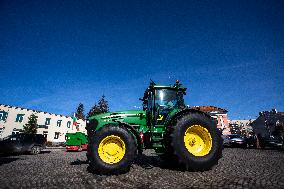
{"points": [[177, 133]]}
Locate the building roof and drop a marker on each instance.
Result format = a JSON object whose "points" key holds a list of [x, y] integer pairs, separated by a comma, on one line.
{"points": [[37, 111], [210, 109], [280, 113]]}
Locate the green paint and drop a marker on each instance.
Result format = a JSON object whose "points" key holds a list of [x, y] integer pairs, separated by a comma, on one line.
{"points": [[76, 139]]}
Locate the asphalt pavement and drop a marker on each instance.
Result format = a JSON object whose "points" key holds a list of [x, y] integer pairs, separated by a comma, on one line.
{"points": [[55, 168]]}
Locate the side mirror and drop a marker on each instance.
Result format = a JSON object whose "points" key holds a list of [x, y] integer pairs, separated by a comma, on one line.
{"points": [[144, 107]]}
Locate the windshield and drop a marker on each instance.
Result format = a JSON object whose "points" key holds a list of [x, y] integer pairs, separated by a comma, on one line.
{"points": [[12, 137], [7, 137], [167, 98]]}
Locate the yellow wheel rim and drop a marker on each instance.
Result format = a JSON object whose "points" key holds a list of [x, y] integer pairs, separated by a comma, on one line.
{"points": [[111, 149], [197, 140]]}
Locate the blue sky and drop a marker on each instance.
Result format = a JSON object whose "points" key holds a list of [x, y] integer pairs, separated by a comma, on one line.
{"points": [[56, 54]]}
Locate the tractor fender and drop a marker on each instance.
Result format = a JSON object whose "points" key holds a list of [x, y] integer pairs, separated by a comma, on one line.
{"points": [[135, 133], [172, 118]]}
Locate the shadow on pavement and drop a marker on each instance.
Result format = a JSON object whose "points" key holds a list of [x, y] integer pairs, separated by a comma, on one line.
{"points": [[79, 162], [45, 152], [148, 162], [5, 160]]}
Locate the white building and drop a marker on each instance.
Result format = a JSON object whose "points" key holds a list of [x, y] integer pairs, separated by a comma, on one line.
{"points": [[53, 126], [219, 114]]}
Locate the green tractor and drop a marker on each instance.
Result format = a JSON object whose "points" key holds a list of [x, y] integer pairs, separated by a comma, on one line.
{"points": [[177, 133]]}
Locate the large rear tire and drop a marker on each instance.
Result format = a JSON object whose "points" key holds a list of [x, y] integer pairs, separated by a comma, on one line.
{"points": [[196, 141], [112, 150]]}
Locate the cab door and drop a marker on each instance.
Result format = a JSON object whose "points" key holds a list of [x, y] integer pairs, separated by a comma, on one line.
{"points": [[164, 99], [150, 110]]}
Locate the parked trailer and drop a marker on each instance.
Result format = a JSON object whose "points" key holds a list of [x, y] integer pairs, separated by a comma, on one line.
{"points": [[76, 141]]}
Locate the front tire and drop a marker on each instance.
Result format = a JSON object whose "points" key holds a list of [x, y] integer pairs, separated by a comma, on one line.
{"points": [[196, 141], [112, 150]]}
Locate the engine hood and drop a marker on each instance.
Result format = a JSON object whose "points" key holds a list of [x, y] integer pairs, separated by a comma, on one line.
{"points": [[131, 117], [120, 114]]}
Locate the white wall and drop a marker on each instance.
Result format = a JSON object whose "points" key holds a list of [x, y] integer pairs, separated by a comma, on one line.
{"points": [[10, 125]]}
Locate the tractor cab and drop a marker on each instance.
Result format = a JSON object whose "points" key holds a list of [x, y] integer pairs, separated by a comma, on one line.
{"points": [[159, 101]]}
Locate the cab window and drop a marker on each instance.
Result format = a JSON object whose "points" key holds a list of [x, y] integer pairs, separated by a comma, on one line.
{"points": [[166, 98]]}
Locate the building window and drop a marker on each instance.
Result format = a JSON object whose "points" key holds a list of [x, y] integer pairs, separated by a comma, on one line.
{"points": [[45, 133], [59, 123], [3, 115], [20, 118], [47, 121], [56, 136], [68, 124]]}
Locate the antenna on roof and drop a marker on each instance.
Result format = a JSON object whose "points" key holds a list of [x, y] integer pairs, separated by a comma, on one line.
{"points": [[152, 82]]}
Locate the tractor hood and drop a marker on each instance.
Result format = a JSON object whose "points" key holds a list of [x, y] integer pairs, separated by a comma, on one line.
{"points": [[131, 117], [120, 114]]}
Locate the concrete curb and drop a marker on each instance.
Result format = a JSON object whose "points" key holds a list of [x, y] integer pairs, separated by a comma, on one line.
{"points": [[55, 147]]}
